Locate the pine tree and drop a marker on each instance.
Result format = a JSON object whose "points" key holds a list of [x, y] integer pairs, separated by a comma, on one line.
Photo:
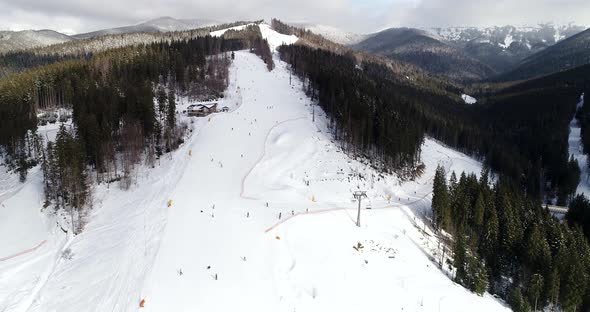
{"points": [[574, 273], [552, 286], [479, 212], [579, 213], [460, 257], [162, 99], [171, 110], [517, 301], [440, 200], [535, 289], [480, 276]]}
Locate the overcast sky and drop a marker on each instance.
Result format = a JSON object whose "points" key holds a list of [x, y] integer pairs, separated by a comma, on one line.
{"points": [[75, 16]]}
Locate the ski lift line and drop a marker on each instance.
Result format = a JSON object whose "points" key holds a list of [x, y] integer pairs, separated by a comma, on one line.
{"points": [[397, 205]]}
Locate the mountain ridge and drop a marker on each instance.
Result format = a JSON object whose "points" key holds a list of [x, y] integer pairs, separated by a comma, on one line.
{"points": [[26, 39], [161, 24], [425, 50]]}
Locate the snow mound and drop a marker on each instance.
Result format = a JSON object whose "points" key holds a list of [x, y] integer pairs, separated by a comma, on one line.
{"points": [[468, 99]]}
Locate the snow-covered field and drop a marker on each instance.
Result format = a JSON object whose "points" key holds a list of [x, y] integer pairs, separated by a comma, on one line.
{"points": [[261, 219]]}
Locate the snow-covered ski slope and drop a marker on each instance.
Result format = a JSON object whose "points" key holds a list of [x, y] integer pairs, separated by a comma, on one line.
{"points": [[274, 38], [248, 233], [261, 219]]}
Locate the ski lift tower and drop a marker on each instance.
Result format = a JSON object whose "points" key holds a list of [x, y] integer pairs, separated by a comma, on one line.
{"points": [[359, 195]]}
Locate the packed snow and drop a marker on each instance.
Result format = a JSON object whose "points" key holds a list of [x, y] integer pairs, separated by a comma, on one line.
{"points": [[576, 149], [274, 38], [253, 213], [468, 99]]}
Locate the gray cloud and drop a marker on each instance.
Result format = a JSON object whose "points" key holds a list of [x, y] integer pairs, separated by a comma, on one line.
{"points": [[352, 15], [491, 12]]}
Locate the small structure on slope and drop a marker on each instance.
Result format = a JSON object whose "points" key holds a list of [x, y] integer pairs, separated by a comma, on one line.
{"points": [[201, 109]]}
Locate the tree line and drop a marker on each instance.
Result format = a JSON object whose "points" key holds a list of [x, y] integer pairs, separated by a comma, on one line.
{"points": [[371, 118], [15, 62], [507, 243]]}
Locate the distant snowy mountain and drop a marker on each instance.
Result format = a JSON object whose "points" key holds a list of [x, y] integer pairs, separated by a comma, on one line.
{"points": [[332, 33], [425, 50], [468, 52], [504, 36], [26, 39], [504, 47], [566, 54], [162, 24]]}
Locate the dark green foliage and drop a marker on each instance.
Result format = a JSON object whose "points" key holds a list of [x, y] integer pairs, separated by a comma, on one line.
{"points": [[15, 62], [517, 301], [261, 48], [519, 251], [579, 214], [64, 174], [440, 200]]}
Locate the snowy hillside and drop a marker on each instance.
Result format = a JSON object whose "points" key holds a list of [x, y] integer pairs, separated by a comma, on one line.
{"points": [[162, 24], [26, 39], [332, 33], [253, 213]]}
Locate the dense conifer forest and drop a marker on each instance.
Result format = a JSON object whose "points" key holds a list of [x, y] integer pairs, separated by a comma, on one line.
{"points": [[506, 243]]}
